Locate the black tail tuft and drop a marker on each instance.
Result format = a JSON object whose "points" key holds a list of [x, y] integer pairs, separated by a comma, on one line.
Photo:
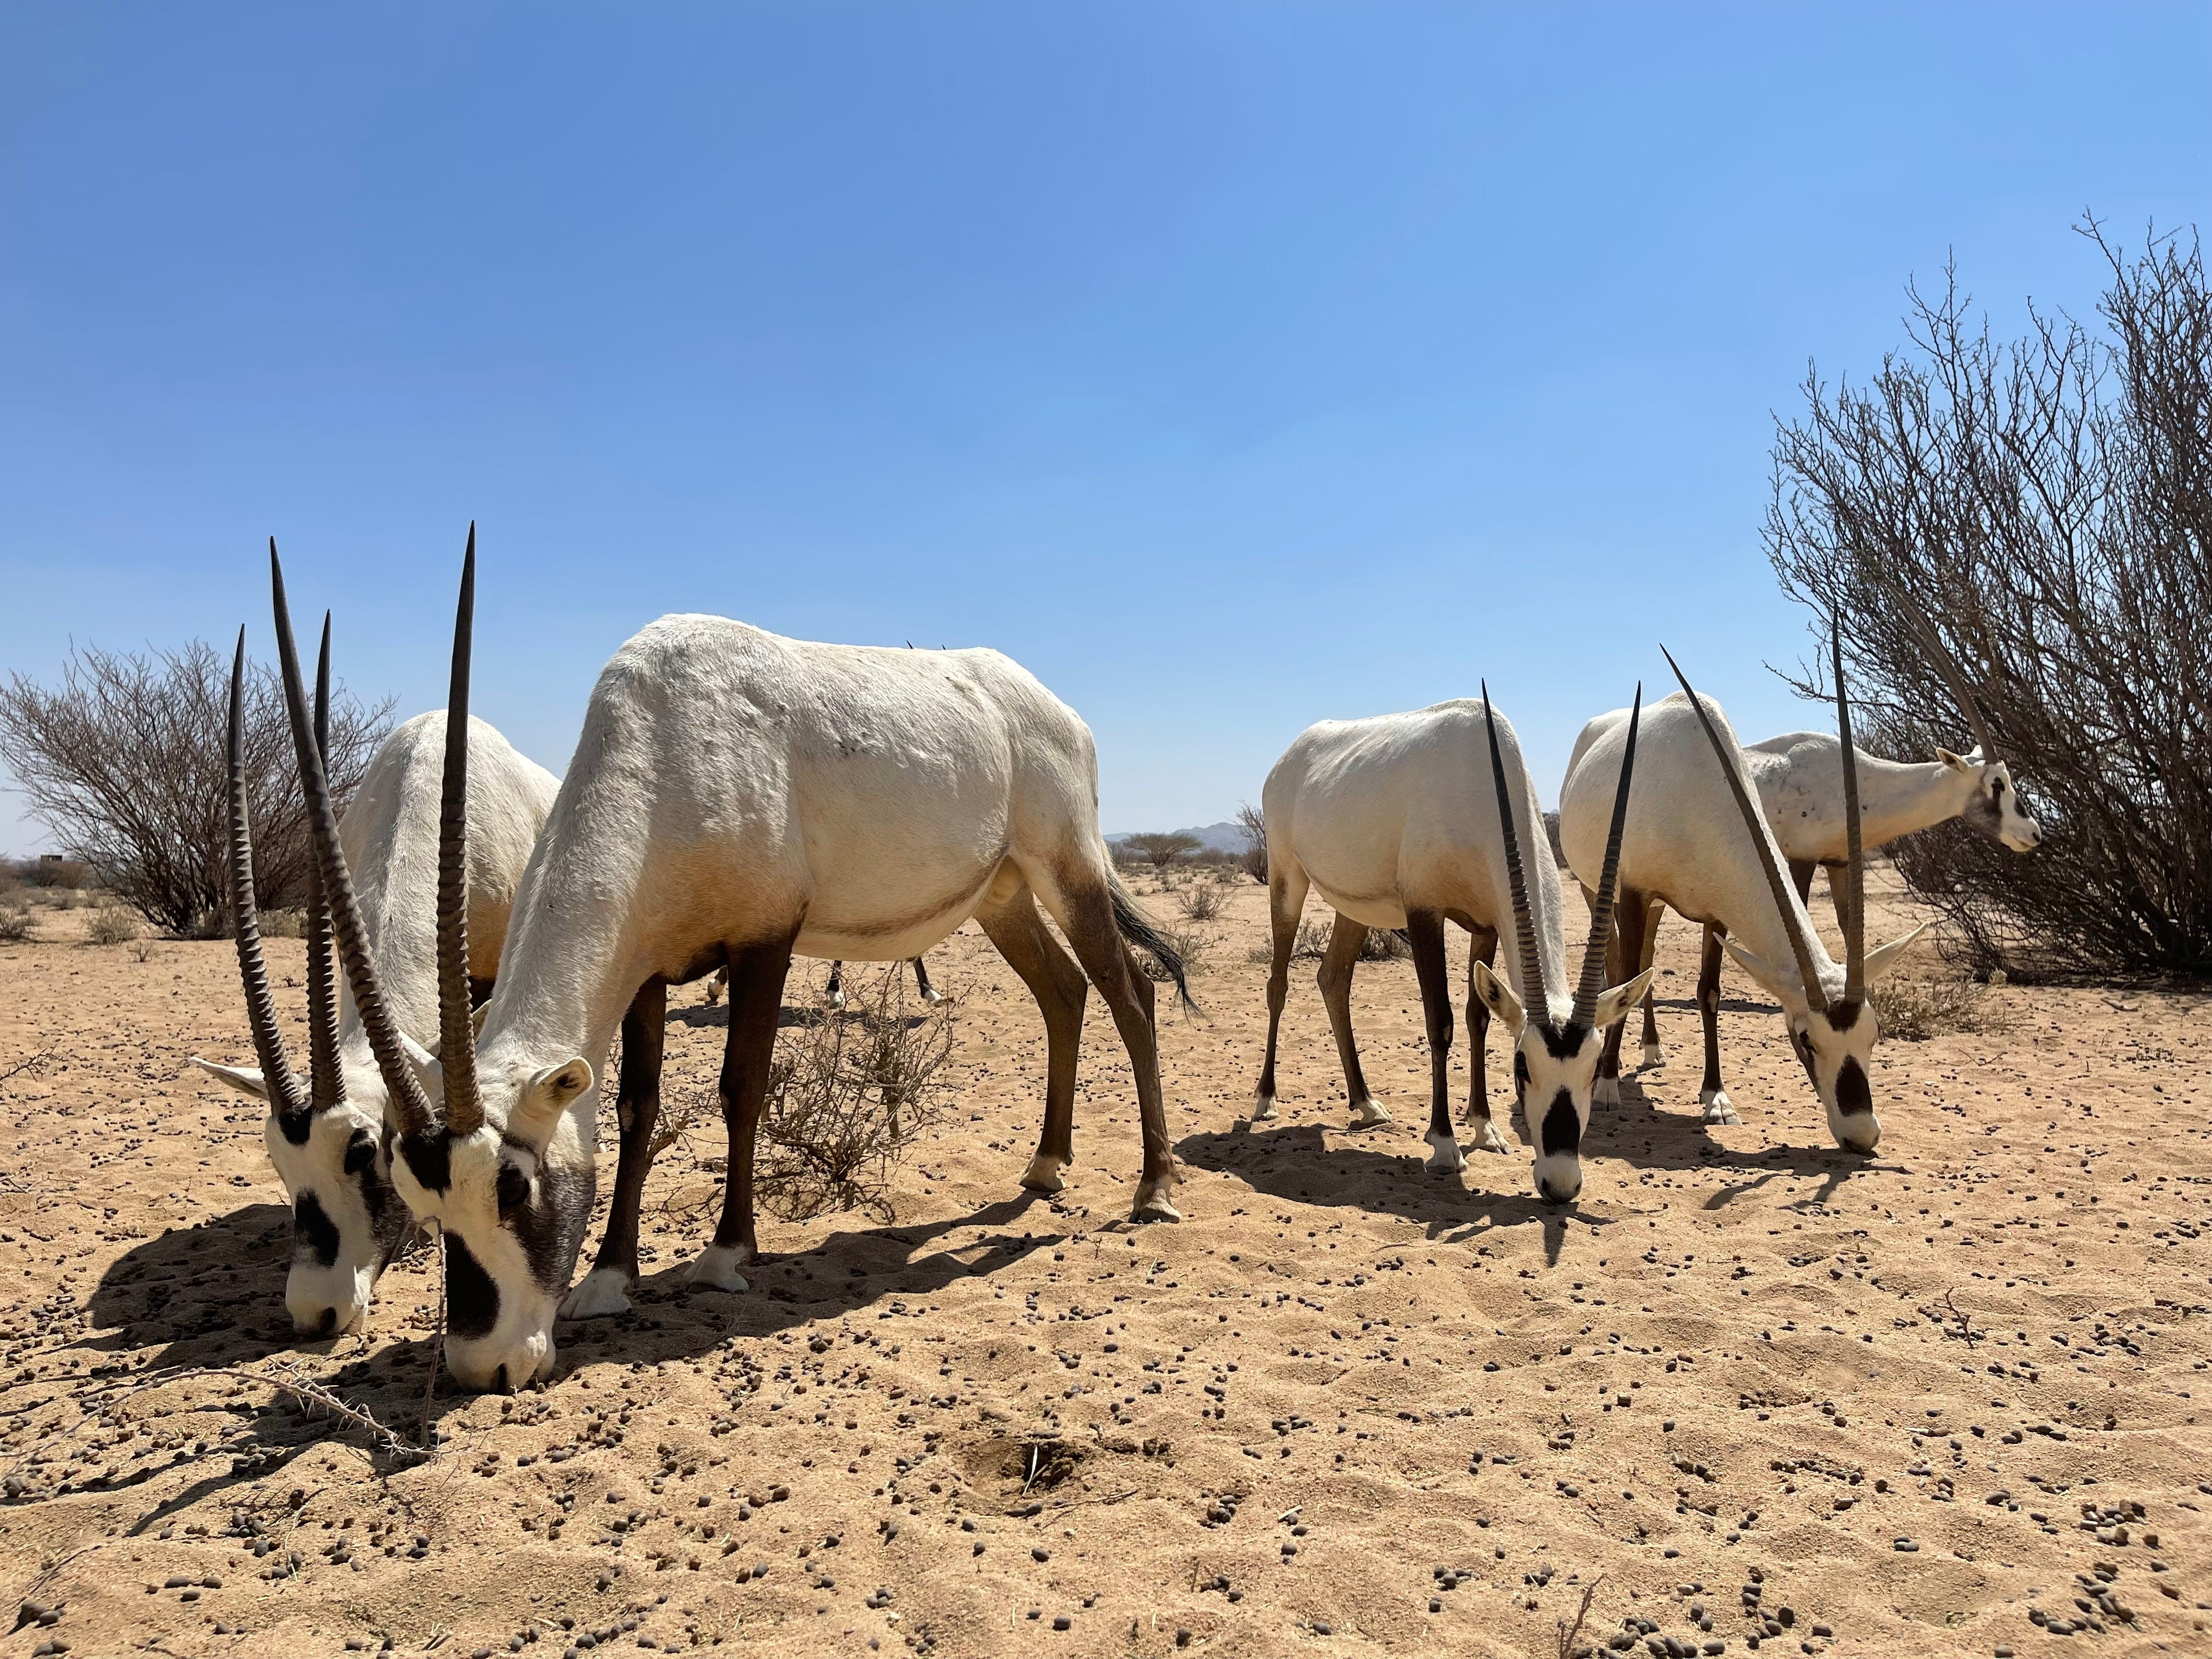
{"points": [[1139, 930]]}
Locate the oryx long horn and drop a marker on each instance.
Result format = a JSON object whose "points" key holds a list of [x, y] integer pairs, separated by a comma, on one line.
{"points": [[1855, 870], [1732, 769], [1601, 934], [1947, 665], [457, 1045], [326, 1081], [409, 1106], [1533, 997], [277, 1074]]}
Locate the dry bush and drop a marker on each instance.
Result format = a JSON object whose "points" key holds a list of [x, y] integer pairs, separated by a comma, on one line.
{"points": [[1190, 943], [1163, 851], [14, 923], [125, 762], [849, 1093], [1202, 902], [1915, 1010], [2047, 504], [1312, 943], [283, 924], [111, 924]]}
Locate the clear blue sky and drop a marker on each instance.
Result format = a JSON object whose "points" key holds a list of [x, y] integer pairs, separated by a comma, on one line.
{"points": [[1230, 366]]}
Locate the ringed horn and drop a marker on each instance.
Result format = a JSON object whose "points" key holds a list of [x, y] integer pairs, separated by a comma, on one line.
{"points": [[1592, 983], [410, 1105], [326, 1083], [1947, 665]]}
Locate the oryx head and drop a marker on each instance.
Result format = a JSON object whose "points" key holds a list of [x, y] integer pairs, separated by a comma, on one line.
{"points": [[499, 1164], [326, 1139], [1557, 1044], [1833, 1026]]}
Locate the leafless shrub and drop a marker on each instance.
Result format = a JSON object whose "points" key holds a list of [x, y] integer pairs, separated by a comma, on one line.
{"points": [[1381, 945], [1202, 902], [1191, 943], [111, 924], [124, 761], [1254, 824], [1914, 1010], [1163, 851], [849, 1092], [2047, 503], [14, 923]]}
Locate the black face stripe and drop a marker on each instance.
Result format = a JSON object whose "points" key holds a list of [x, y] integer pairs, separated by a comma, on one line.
{"points": [[296, 1127], [1565, 1042], [430, 1157], [550, 1227], [1563, 1128], [1842, 1016], [314, 1235], [1852, 1095], [471, 1299]]}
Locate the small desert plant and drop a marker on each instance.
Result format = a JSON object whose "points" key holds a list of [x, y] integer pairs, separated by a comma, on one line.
{"points": [[1914, 1010], [1381, 945], [14, 923], [1202, 902], [1254, 860], [1190, 943], [283, 924], [111, 924], [849, 1093]]}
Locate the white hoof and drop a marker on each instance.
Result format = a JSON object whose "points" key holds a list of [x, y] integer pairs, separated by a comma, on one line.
{"points": [[1717, 1110], [1444, 1155], [604, 1292], [1044, 1174], [933, 996], [1153, 1204], [717, 1268], [1263, 1107], [1487, 1140], [1366, 1114], [1654, 1053], [834, 999], [1606, 1091]]}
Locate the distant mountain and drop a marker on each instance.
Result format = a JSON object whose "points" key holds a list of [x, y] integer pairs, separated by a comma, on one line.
{"points": [[1223, 837]]}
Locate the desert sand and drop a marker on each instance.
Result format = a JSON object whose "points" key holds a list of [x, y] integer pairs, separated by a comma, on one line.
{"points": [[1905, 1404]]}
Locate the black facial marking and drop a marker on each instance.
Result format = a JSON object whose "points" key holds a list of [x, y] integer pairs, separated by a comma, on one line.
{"points": [[388, 1216], [360, 1152], [514, 1188], [1519, 1074], [1565, 1042], [1562, 1130], [431, 1158], [297, 1126], [1842, 1016], [313, 1233], [1852, 1095], [550, 1227], [471, 1299]]}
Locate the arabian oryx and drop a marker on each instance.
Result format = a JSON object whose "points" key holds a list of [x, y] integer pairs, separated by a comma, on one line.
{"points": [[1390, 820], [1800, 779], [1700, 846], [327, 1136], [736, 797]]}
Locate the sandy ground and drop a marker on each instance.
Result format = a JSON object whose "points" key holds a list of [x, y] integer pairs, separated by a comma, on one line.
{"points": [[1899, 1405]]}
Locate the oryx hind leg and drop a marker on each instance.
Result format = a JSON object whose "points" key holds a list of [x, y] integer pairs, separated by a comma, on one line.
{"points": [[1482, 947], [1287, 903], [1622, 953], [606, 1290], [1056, 981], [1335, 980], [1425, 933], [1710, 1095], [1655, 1052], [757, 973]]}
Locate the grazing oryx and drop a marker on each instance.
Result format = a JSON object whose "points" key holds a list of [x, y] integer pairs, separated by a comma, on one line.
{"points": [[327, 1140], [736, 798], [1800, 779], [1700, 846], [1389, 819], [835, 995]]}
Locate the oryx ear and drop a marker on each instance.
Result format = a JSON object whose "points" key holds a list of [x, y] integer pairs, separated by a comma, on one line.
{"points": [[246, 1079], [1497, 996], [546, 1096], [1754, 965], [1879, 961], [1956, 762], [1613, 1004]]}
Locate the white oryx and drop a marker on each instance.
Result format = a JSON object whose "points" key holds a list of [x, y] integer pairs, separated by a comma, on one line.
{"points": [[1700, 846], [1389, 819], [736, 797], [1800, 779], [327, 1136]]}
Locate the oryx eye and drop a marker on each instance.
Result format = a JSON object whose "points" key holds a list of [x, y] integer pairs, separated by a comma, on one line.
{"points": [[359, 1151], [514, 1188]]}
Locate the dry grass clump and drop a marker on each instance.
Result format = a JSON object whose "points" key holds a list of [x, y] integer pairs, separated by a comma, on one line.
{"points": [[1191, 943], [1202, 902], [1915, 1010], [283, 924], [1310, 944], [849, 1092], [111, 924], [14, 923]]}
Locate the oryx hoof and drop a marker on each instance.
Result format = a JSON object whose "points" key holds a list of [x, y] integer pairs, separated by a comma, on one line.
{"points": [[1717, 1110], [1153, 1203], [1606, 1091], [1654, 1053], [1366, 1114], [716, 1269], [1486, 1137], [1263, 1107], [933, 996], [604, 1292], [1444, 1155], [1044, 1174], [834, 999]]}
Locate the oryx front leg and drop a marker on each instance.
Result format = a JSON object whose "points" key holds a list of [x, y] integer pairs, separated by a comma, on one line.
{"points": [[1710, 1095], [606, 1290], [1424, 930], [756, 977]]}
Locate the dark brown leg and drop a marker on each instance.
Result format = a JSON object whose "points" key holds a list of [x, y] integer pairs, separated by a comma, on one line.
{"points": [[1335, 978], [835, 994], [1625, 950], [605, 1289], [1482, 947], [756, 977], [1801, 873], [1057, 983], [1425, 933], [1655, 1052], [1710, 1095], [930, 993], [1287, 900]]}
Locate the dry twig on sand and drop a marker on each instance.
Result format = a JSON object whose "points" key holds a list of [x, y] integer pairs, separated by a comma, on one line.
{"points": [[1570, 1634]]}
